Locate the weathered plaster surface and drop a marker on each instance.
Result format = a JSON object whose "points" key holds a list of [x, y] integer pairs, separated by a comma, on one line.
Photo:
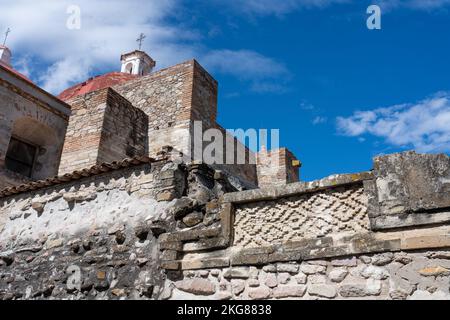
{"points": [[175, 231]]}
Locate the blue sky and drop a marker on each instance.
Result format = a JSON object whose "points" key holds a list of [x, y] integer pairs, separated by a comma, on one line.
{"points": [[339, 93]]}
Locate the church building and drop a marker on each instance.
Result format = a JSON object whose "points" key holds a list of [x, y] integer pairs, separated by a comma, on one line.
{"points": [[118, 115]]}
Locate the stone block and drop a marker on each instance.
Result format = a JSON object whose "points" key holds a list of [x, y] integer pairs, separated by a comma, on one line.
{"points": [[301, 278], [322, 290], [284, 278], [271, 280], [376, 273], [196, 286], [168, 255], [434, 271], [289, 291], [270, 268], [409, 182], [344, 262], [338, 274], [259, 293], [193, 219], [289, 268], [360, 290], [237, 286], [237, 273], [166, 196], [312, 269], [170, 265], [205, 263]]}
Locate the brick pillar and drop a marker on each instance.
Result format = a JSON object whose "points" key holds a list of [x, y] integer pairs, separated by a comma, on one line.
{"points": [[103, 127], [277, 167]]}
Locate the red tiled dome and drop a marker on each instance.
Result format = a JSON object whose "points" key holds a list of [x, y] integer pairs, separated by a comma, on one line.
{"points": [[93, 84]]}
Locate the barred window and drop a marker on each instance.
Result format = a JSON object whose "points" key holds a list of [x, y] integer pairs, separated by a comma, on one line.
{"points": [[20, 157]]}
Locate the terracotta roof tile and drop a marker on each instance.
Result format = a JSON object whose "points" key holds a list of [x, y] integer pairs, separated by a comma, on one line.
{"points": [[96, 83], [77, 175]]}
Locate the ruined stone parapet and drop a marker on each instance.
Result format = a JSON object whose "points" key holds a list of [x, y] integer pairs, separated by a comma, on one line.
{"points": [[409, 189], [318, 223], [170, 230], [102, 224]]}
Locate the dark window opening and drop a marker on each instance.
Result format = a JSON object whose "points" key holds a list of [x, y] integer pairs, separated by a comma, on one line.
{"points": [[20, 157]]}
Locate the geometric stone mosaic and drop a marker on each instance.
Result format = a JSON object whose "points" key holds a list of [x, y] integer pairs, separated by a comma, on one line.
{"points": [[311, 215]]}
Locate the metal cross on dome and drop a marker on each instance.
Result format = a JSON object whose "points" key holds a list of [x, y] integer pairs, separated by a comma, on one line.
{"points": [[140, 40], [6, 36]]}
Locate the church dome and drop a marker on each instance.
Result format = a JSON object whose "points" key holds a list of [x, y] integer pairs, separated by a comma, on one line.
{"points": [[93, 84]]}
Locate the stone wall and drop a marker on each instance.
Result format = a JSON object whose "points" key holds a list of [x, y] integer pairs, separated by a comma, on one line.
{"points": [[341, 210], [33, 116], [102, 227], [409, 189], [396, 276], [166, 97], [167, 230], [204, 96], [125, 130], [315, 240], [173, 99], [94, 234], [103, 127], [277, 167], [239, 162]]}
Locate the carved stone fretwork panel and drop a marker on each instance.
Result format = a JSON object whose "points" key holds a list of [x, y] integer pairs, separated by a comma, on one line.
{"points": [[312, 215]]}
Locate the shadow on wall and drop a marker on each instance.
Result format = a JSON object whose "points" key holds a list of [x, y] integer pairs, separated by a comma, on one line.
{"points": [[34, 149]]}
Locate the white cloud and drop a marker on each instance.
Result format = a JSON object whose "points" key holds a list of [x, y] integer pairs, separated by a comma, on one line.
{"points": [[304, 105], [264, 74], [244, 64], [108, 29], [319, 120], [413, 4], [40, 41], [281, 8], [60, 74], [425, 125], [277, 7]]}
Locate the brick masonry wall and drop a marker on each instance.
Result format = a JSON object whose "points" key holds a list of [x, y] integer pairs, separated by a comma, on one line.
{"points": [[204, 96], [166, 97], [125, 130], [29, 119], [173, 99], [103, 127], [292, 168], [276, 167], [82, 140]]}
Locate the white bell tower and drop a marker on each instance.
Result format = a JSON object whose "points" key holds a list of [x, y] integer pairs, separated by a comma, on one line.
{"points": [[5, 56], [137, 63], [5, 53]]}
